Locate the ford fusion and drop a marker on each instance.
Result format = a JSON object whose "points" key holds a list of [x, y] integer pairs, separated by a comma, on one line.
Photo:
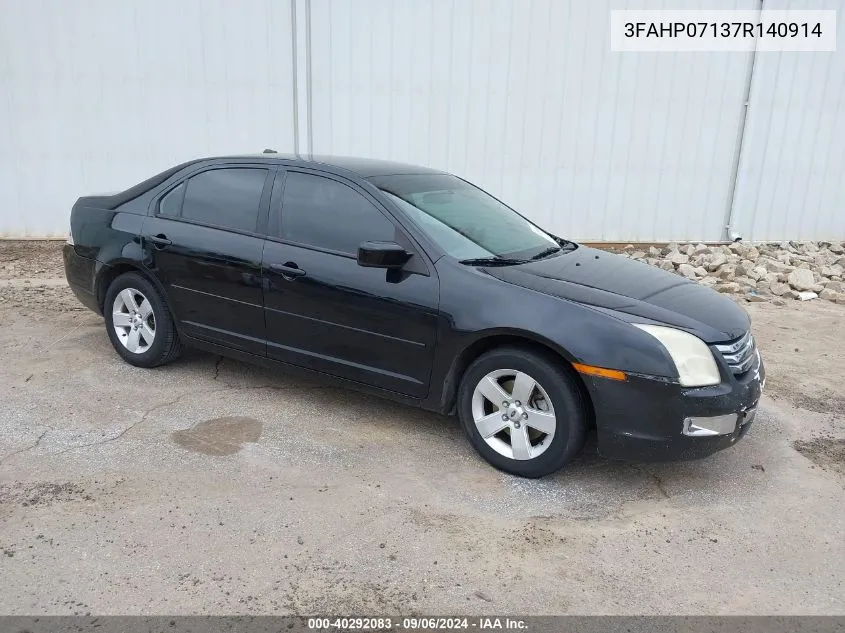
{"points": [[416, 285]]}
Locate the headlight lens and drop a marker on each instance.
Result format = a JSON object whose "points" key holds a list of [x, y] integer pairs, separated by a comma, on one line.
{"points": [[693, 359]]}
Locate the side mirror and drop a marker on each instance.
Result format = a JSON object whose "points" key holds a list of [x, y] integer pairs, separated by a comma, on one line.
{"points": [[382, 255]]}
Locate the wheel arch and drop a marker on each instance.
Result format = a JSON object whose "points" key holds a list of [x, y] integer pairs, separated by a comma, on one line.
{"points": [[109, 272], [521, 339]]}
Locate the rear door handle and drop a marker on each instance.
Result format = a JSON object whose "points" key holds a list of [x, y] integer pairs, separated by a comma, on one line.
{"points": [[160, 240], [289, 271]]}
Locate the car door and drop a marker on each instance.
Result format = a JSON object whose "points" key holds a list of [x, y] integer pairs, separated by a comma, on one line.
{"points": [[324, 311], [204, 246]]}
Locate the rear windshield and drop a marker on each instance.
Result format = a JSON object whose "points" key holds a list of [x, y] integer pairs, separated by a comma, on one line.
{"points": [[143, 187]]}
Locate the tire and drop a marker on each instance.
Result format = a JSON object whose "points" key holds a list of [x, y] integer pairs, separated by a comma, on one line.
{"points": [[519, 447], [147, 318]]}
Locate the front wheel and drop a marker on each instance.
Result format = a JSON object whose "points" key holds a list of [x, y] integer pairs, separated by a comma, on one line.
{"points": [[138, 322], [522, 411]]}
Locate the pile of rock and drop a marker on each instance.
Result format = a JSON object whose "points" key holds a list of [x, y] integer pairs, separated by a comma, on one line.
{"points": [[759, 272]]}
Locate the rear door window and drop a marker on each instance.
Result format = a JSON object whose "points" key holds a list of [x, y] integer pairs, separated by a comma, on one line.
{"points": [[226, 198]]}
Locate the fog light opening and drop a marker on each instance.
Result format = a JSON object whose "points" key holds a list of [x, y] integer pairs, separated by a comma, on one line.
{"points": [[710, 426]]}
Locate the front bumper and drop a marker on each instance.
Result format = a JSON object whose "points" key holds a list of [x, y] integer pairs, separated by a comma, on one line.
{"points": [[643, 419]]}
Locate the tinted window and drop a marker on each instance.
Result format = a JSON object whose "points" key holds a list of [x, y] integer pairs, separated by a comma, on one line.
{"points": [[321, 212], [225, 197], [171, 204]]}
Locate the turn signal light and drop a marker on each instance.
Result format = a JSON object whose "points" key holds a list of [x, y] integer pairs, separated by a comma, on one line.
{"points": [[613, 374]]}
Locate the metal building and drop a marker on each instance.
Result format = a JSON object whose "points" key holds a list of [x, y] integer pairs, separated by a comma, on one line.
{"points": [[523, 97]]}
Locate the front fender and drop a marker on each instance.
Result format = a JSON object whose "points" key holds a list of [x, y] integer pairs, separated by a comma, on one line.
{"points": [[475, 306]]}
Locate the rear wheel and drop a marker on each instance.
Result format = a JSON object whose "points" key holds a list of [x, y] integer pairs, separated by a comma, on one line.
{"points": [[522, 411], [138, 322]]}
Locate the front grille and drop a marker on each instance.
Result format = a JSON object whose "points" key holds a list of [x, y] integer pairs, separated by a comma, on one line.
{"points": [[739, 354]]}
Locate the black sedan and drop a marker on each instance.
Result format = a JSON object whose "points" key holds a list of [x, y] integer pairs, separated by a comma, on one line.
{"points": [[416, 285]]}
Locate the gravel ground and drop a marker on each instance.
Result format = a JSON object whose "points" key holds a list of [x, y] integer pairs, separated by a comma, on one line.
{"points": [[210, 486]]}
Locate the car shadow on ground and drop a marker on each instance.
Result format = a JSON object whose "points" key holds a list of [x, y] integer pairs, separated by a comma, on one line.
{"points": [[395, 422], [445, 433]]}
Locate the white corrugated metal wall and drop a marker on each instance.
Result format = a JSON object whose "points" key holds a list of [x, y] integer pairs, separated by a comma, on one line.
{"points": [[527, 100], [523, 97], [99, 95], [791, 181]]}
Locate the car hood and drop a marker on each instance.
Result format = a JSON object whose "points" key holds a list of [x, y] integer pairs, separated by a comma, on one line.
{"points": [[597, 278]]}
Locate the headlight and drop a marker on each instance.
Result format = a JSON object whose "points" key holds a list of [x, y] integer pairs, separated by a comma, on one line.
{"points": [[693, 359]]}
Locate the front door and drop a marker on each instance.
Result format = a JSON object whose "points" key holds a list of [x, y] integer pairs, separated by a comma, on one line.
{"points": [[324, 311], [203, 246]]}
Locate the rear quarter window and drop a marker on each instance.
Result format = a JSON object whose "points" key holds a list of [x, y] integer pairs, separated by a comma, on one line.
{"points": [[171, 203]]}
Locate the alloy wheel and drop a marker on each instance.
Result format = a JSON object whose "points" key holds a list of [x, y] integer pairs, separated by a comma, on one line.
{"points": [[133, 320], [513, 414]]}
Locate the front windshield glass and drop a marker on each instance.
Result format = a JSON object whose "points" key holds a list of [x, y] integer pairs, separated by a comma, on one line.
{"points": [[463, 220]]}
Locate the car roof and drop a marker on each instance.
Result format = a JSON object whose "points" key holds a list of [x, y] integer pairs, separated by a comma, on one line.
{"points": [[364, 167]]}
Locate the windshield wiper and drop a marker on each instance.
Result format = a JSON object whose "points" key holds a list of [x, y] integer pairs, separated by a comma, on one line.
{"points": [[492, 261], [545, 253], [566, 245]]}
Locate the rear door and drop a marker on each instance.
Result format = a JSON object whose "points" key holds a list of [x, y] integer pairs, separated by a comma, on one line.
{"points": [[323, 310], [204, 245]]}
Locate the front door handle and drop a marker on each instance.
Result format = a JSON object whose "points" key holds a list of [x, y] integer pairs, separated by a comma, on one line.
{"points": [[289, 270], [159, 241]]}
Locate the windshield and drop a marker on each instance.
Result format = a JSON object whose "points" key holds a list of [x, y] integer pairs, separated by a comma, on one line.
{"points": [[463, 220]]}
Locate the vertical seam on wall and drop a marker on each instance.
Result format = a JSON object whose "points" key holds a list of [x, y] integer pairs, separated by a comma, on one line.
{"points": [[447, 161], [556, 182], [294, 76], [740, 141], [308, 99], [505, 125]]}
